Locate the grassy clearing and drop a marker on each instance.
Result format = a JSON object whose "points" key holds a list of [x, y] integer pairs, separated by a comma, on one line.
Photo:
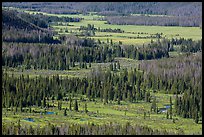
{"points": [[194, 33], [186, 32], [74, 72]]}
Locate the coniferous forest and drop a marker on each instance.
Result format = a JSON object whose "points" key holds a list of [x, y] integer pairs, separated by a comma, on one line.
{"points": [[77, 68]]}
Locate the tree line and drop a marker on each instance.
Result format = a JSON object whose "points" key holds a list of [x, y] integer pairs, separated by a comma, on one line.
{"points": [[194, 21], [61, 57], [183, 78], [83, 129]]}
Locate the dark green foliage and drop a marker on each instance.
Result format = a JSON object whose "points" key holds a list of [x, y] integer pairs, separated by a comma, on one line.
{"points": [[23, 27], [65, 112], [144, 115], [83, 129], [70, 103], [85, 108], [184, 21], [196, 116], [170, 109], [154, 105], [167, 114], [185, 81], [44, 102], [61, 57], [76, 105]]}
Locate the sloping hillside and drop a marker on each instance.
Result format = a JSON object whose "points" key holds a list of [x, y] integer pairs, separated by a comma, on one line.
{"points": [[168, 8], [21, 27], [13, 19]]}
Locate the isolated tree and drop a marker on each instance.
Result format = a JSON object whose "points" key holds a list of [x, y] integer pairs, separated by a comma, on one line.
{"points": [[154, 105], [118, 65], [111, 42], [44, 102], [167, 114], [144, 115], [89, 64], [85, 108], [76, 105], [65, 112], [170, 109], [70, 103]]}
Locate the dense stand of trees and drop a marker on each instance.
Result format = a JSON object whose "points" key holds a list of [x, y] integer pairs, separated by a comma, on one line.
{"points": [[182, 77], [27, 36], [48, 19], [165, 8], [22, 46], [186, 13], [64, 56], [61, 57], [130, 86], [194, 21], [26, 28], [25, 91], [92, 28], [83, 129]]}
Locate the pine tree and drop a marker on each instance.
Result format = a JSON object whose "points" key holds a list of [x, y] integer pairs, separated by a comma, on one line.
{"points": [[76, 105], [167, 115], [196, 117], [70, 103], [144, 115], [176, 105], [65, 112], [89, 64], [44, 102], [154, 105], [30, 109], [170, 110], [111, 67], [114, 66], [85, 107], [118, 65]]}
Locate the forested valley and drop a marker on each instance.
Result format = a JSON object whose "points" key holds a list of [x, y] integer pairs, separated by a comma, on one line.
{"points": [[64, 72]]}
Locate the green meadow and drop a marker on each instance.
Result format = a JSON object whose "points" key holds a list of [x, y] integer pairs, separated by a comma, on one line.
{"points": [[140, 31]]}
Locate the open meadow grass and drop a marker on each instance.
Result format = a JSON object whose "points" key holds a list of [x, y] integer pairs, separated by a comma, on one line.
{"points": [[73, 72]]}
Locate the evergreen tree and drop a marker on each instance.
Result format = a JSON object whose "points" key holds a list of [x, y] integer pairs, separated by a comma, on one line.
{"points": [[196, 117], [154, 105], [167, 114], [89, 64], [85, 107], [70, 103], [144, 115], [111, 67], [76, 105], [118, 65], [44, 102], [65, 112], [170, 110]]}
